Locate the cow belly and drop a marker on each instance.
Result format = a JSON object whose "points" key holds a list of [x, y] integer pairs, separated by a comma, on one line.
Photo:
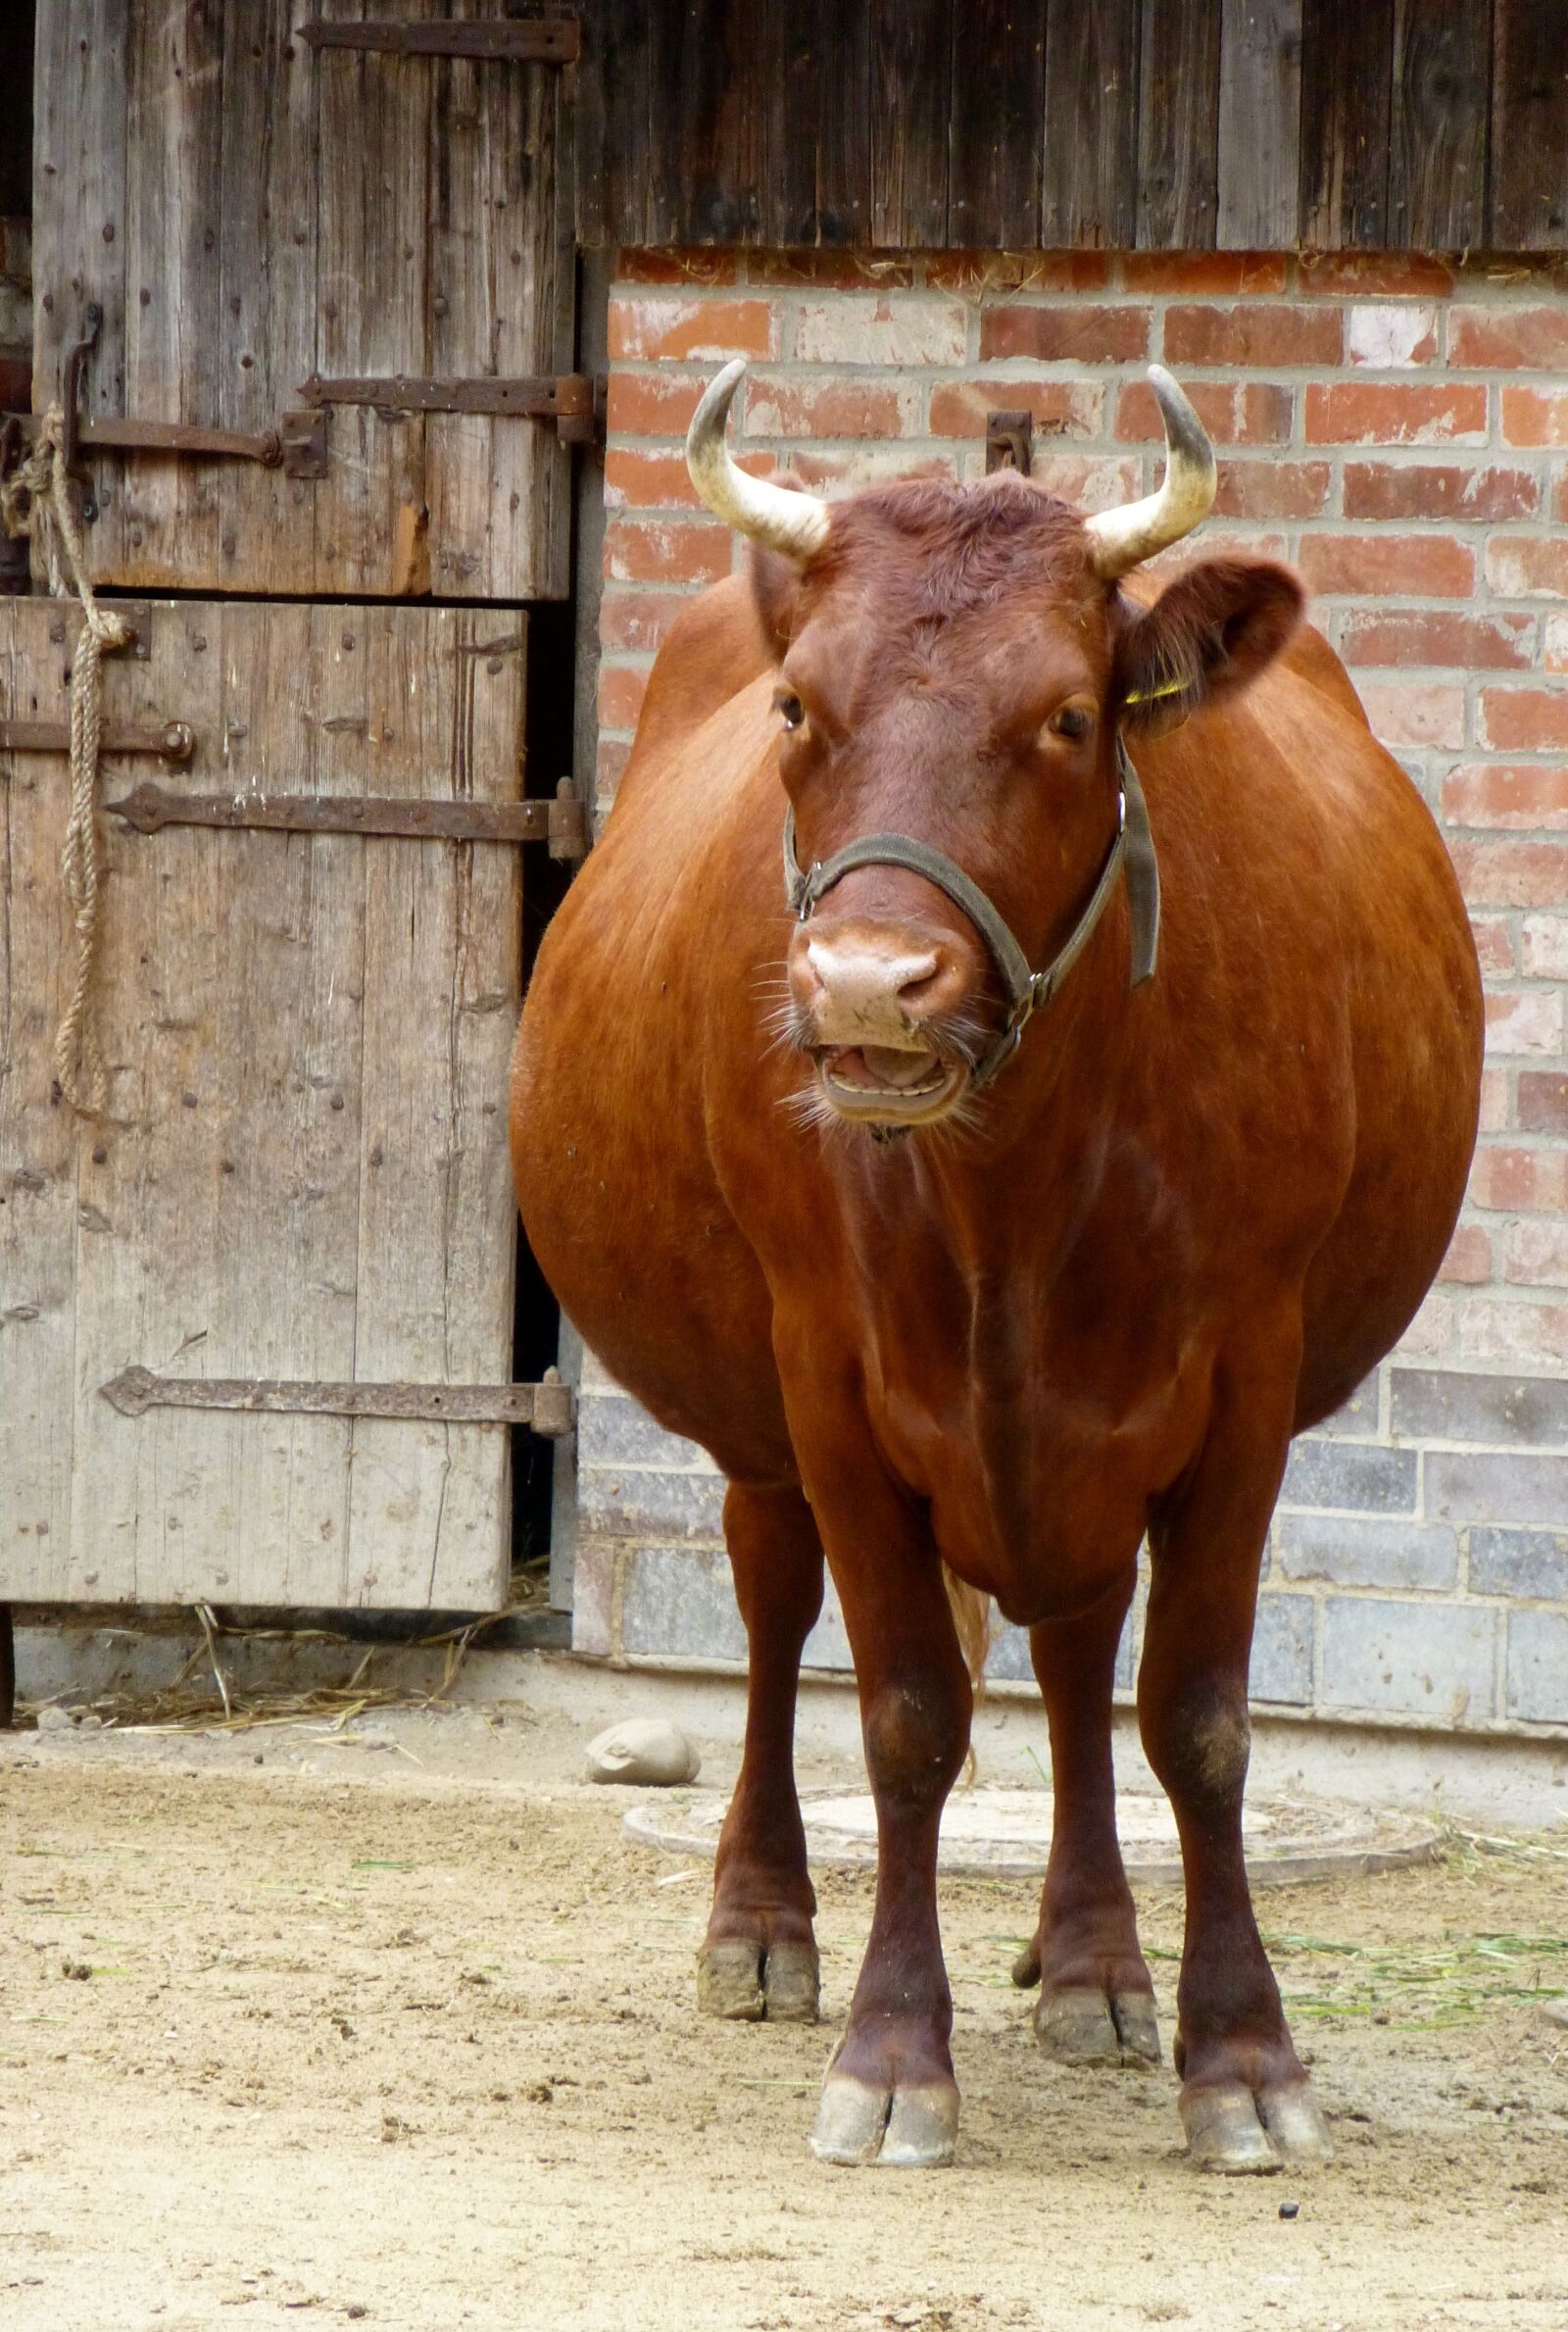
{"points": [[616, 1189]]}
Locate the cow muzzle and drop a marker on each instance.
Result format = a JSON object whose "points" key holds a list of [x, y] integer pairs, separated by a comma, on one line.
{"points": [[874, 1007]]}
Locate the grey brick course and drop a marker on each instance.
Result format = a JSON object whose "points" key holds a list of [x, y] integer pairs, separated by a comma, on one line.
{"points": [[612, 1429], [1451, 1405], [1531, 1563], [1483, 1486], [1357, 1420], [1429, 1659], [1344, 1474], [679, 1600], [1538, 1666], [1367, 1551], [626, 1502], [1282, 1650]]}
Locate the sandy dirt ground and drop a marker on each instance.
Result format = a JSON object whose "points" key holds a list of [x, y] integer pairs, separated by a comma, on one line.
{"points": [[398, 2027]]}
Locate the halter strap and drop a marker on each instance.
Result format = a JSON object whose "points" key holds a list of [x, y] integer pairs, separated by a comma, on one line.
{"points": [[1131, 853]]}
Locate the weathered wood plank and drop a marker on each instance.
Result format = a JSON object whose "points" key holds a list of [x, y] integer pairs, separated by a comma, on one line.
{"points": [[153, 1514], [38, 1135], [430, 1502], [1346, 87], [1529, 183], [789, 38], [998, 102], [1438, 127], [374, 117], [78, 227], [496, 489], [706, 156], [841, 111], [911, 105], [1090, 120], [1178, 124], [268, 265], [1259, 124], [174, 95]]}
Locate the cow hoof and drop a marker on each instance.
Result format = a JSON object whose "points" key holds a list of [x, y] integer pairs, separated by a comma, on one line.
{"points": [[1082, 2026], [1232, 2132], [791, 1982], [745, 1983], [860, 2123]]}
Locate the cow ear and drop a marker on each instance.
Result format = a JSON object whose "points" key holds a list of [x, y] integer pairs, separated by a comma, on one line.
{"points": [[1209, 634], [776, 590]]}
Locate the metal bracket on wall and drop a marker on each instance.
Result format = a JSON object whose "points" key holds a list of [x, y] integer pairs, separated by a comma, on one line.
{"points": [[573, 400], [560, 824], [549, 1407], [523, 40], [1010, 442]]}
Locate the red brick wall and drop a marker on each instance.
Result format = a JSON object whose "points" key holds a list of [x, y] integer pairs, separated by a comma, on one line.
{"points": [[1397, 427]]}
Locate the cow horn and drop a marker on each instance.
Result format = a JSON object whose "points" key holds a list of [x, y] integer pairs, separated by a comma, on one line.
{"points": [[1122, 538], [794, 523]]}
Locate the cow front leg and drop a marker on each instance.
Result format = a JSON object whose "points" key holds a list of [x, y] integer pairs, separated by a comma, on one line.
{"points": [[1097, 2001], [1246, 2101], [890, 2096], [759, 1959]]}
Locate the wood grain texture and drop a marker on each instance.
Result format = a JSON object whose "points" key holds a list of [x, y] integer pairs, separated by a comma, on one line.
{"points": [[269, 266], [1437, 126], [1259, 124], [37, 1133], [705, 79], [1346, 89], [1091, 152], [1178, 124], [79, 228], [911, 99], [1528, 178], [999, 100], [815, 102], [304, 1169], [276, 212]]}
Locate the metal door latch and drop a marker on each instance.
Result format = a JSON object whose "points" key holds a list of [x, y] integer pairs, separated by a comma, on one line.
{"points": [[573, 400]]}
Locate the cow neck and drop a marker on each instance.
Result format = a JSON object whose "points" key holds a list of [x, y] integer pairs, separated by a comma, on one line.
{"points": [[1131, 858]]}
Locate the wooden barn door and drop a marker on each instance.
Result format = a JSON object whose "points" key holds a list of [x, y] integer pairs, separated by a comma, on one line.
{"points": [[304, 271]]}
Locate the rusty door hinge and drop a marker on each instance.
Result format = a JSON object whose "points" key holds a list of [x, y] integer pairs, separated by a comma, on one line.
{"points": [[1009, 441], [175, 741], [573, 400], [560, 823], [548, 1407], [521, 40]]}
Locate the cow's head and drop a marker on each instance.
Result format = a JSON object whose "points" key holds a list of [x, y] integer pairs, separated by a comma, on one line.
{"points": [[954, 664]]}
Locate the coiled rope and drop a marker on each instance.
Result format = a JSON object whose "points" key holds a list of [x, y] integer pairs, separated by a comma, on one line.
{"points": [[36, 500]]}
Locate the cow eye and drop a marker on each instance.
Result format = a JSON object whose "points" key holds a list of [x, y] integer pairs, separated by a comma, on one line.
{"points": [[792, 713], [1071, 722]]}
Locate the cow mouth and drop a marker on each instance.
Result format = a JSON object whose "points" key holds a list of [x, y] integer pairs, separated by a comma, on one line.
{"points": [[900, 1084]]}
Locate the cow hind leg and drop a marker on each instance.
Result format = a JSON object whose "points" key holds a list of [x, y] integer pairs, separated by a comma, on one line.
{"points": [[1246, 2102], [1097, 2001], [759, 1959]]}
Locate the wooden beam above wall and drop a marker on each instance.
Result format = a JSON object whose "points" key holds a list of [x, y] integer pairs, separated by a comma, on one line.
{"points": [[1152, 125]]}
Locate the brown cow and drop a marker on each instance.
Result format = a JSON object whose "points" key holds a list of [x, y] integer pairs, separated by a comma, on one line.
{"points": [[939, 1283]]}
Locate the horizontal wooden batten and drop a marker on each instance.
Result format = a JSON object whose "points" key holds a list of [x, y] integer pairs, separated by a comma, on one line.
{"points": [[547, 1408], [967, 125], [536, 40]]}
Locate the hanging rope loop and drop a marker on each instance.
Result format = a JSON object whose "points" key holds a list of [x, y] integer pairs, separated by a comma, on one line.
{"points": [[37, 500]]}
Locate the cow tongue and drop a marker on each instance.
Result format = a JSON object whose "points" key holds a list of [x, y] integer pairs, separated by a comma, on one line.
{"points": [[885, 1066]]}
